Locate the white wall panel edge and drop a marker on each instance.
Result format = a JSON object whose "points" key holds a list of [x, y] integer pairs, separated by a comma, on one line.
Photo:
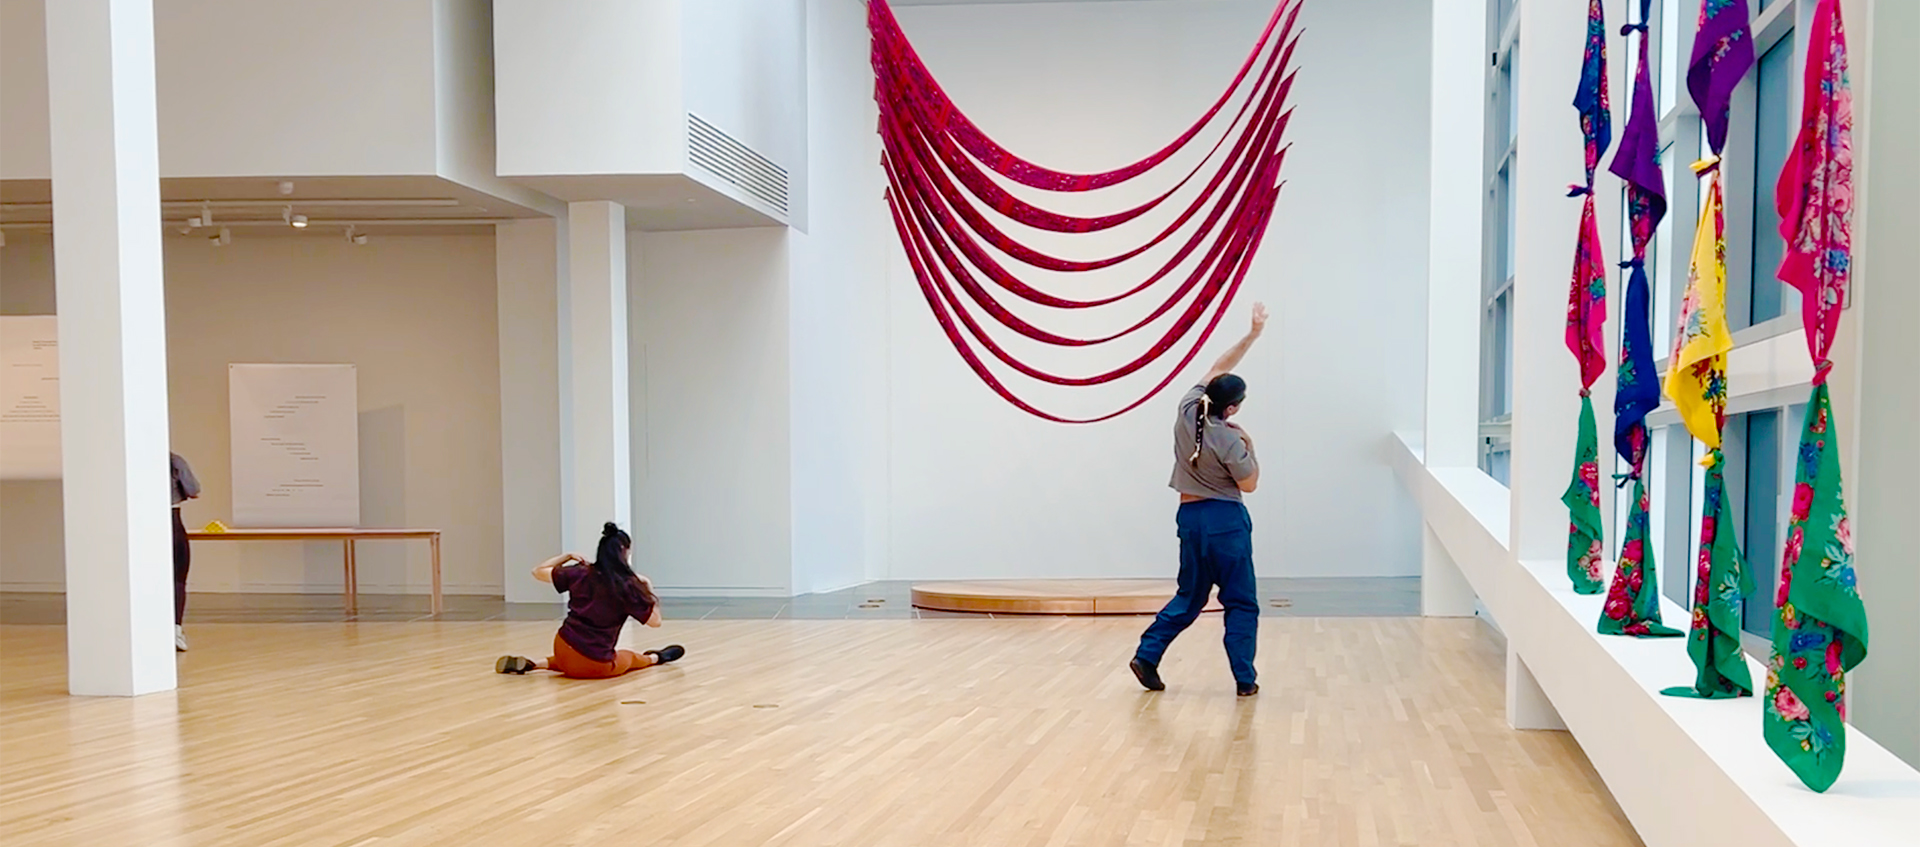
{"points": [[1641, 743]]}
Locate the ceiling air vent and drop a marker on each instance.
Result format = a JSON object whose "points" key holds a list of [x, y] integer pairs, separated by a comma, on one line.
{"points": [[724, 156]]}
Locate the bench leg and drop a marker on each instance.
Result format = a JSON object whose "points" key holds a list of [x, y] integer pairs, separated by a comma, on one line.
{"points": [[353, 581], [435, 542]]}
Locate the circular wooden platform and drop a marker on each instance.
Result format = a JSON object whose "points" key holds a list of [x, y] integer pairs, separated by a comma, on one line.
{"points": [[1050, 596]]}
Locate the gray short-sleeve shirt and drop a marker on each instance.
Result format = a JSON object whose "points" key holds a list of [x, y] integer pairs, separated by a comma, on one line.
{"points": [[1224, 460], [185, 485]]}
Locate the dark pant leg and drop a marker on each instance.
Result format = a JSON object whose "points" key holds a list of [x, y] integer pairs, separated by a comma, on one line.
{"points": [[1231, 552], [182, 559], [1184, 608]]}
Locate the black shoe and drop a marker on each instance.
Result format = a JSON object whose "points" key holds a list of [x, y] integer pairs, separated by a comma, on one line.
{"points": [[1148, 674], [1247, 689], [669, 653], [513, 664]]}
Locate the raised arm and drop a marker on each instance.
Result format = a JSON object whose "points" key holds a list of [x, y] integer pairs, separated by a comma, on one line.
{"points": [[646, 586], [544, 570], [1231, 359]]}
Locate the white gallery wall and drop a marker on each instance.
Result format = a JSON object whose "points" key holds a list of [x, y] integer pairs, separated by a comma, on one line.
{"points": [[343, 88], [837, 295], [707, 347], [554, 116], [414, 314], [980, 489], [340, 88], [744, 68], [799, 422]]}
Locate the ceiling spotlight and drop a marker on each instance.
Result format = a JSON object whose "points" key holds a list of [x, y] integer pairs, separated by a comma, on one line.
{"points": [[286, 187], [359, 239], [299, 221], [293, 220], [3, 238], [354, 237], [205, 218], [223, 239]]}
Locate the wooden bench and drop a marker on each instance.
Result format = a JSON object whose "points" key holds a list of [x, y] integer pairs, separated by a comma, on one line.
{"points": [[347, 536]]}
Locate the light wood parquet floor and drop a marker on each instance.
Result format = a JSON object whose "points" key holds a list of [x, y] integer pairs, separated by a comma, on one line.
{"points": [[1368, 731]]}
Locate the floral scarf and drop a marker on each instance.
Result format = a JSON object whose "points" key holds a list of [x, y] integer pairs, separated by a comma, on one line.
{"points": [[1587, 313], [1697, 382], [1820, 630], [1633, 599]]}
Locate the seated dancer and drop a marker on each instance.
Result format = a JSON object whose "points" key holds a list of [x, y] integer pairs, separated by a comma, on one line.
{"points": [[601, 595], [1213, 466]]}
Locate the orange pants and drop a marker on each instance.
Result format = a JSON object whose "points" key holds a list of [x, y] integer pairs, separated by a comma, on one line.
{"points": [[570, 663]]}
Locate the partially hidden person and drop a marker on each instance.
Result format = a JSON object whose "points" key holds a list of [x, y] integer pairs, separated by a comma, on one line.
{"points": [[185, 487], [601, 596]]}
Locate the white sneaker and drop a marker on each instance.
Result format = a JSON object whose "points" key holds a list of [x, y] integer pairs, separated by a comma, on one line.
{"points": [[179, 639]]}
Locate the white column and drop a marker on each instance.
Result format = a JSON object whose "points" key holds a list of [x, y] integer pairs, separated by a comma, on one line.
{"points": [[113, 357], [1456, 190], [529, 266], [597, 459], [1885, 692], [1546, 402], [1545, 380], [1456, 199]]}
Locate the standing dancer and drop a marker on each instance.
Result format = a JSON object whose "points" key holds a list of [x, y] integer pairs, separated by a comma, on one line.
{"points": [[1213, 465], [185, 487], [601, 595]]}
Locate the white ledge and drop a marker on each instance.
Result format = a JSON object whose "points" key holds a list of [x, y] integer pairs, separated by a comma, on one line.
{"points": [[1686, 772]]}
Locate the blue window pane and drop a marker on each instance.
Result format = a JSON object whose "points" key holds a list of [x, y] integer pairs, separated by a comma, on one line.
{"points": [[1507, 76], [1761, 521], [1669, 75], [1496, 398], [1773, 135]]}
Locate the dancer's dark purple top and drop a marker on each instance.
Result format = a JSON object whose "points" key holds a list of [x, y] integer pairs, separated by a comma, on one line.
{"points": [[594, 614]]}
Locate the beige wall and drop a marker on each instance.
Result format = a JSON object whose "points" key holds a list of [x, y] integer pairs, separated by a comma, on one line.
{"points": [[415, 315]]}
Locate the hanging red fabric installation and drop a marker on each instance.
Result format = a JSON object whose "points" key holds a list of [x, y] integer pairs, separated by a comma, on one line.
{"points": [[940, 168]]}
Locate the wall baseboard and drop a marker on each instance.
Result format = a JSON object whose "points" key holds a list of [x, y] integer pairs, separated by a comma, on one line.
{"points": [[721, 592]]}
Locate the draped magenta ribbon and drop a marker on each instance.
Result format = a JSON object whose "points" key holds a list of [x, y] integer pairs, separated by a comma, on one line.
{"points": [[938, 162], [892, 44], [912, 104]]}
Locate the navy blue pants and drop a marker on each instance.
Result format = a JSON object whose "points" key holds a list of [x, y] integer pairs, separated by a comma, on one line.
{"points": [[1216, 549], [182, 560]]}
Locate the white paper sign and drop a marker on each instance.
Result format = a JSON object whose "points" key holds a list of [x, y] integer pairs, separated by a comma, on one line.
{"points": [[296, 445], [29, 397]]}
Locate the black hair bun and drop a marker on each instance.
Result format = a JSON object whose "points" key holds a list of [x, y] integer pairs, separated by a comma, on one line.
{"points": [[610, 528]]}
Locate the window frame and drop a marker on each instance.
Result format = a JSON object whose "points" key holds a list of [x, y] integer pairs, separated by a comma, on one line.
{"points": [[1497, 281]]}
